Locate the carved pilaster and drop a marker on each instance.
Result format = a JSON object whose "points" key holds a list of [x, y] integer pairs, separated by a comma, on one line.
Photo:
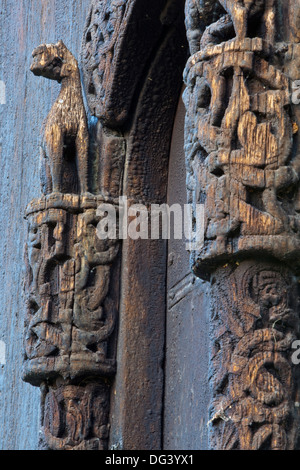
{"points": [[72, 274], [71, 313], [75, 417], [243, 155]]}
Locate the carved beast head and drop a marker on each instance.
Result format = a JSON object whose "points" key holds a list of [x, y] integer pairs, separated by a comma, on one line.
{"points": [[53, 61], [253, 7]]}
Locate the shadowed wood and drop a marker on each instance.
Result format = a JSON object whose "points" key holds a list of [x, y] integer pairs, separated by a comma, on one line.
{"points": [[72, 278]]}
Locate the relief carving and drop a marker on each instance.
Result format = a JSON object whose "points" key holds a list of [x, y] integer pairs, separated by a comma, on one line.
{"points": [[254, 384], [242, 138], [70, 314], [101, 34], [243, 161], [71, 280], [76, 417]]}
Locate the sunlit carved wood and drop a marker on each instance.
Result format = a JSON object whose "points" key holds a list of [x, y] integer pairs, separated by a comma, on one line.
{"points": [[240, 137], [253, 382], [243, 153]]}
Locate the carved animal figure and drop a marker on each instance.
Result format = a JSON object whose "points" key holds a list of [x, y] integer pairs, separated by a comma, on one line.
{"points": [[66, 130], [240, 11]]}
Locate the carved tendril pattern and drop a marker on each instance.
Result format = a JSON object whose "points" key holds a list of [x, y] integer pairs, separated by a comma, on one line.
{"points": [[101, 34], [254, 324]]}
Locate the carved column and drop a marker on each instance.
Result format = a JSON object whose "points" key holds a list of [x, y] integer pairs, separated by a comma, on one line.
{"points": [[243, 159], [71, 318], [132, 58], [72, 275]]}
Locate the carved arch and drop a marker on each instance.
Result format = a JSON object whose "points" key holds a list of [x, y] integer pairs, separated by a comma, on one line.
{"points": [[96, 387], [144, 124]]}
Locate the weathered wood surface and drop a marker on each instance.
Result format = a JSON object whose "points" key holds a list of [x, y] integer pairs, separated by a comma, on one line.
{"points": [[138, 401], [23, 25], [72, 299], [254, 384], [243, 153], [76, 417], [66, 135], [72, 293], [242, 140], [28, 24]]}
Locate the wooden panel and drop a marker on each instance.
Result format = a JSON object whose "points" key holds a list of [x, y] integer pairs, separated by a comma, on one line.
{"points": [[186, 370], [137, 402]]}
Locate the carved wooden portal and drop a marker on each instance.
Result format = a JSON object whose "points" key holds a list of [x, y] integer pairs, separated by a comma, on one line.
{"points": [[242, 154], [95, 395]]}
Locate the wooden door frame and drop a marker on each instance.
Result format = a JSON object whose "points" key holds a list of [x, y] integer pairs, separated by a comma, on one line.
{"points": [[137, 396]]}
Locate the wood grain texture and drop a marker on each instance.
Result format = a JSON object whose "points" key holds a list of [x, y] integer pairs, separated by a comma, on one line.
{"points": [[117, 32], [70, 316], [254, 384], [66, 137], [186, 392], [76, 417], [138, 399], [133, 54], [71, 297]]}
